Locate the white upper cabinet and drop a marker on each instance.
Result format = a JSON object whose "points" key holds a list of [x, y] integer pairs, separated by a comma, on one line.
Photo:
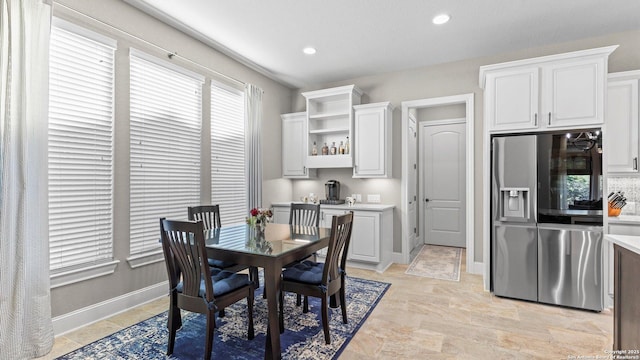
{"points": [[552, 92], [574, 92], [294, 146], [621, 132], [514, 99], [372, 142], [330, 122]]}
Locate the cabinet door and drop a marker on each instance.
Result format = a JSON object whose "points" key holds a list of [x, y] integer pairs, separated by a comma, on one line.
{"points": [[294, 149], [365, 237], [372, 141], [281, 215], [573, 93], [622, 126], [326, 216], [512, 99]]}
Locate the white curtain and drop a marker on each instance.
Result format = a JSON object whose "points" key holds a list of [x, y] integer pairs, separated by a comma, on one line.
{"points": [[26, 330], [253, 114]]}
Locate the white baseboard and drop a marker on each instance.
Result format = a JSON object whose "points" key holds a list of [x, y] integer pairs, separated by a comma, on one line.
{"points": [[397, 258], [476, 268], [82, 317]]}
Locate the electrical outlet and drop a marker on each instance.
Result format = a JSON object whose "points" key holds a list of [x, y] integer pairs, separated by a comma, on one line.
{"points": [[358, 197], [373, 198]]}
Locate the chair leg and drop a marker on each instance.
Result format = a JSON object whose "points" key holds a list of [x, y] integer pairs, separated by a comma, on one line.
{"points": [[343, 304], [173, 323], [281, 313], [298, 299], [305, 308], [325, 319], [251, 333], [211, 324], [221, 313]]}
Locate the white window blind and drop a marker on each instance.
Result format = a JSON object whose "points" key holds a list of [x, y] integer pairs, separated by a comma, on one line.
{"points": [[81, 96], [166, 108], [228, 169]]}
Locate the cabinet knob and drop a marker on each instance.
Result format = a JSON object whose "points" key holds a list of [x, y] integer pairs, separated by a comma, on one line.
{"points": [[549, 117], [535, 119], [635, 163]]}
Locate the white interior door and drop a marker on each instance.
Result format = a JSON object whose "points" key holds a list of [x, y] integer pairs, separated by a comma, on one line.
{"points": [[442, 156], [412, 183]]}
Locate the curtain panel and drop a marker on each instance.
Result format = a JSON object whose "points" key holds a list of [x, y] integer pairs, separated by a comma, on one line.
{"points": [[26, 330], [253, 114]]}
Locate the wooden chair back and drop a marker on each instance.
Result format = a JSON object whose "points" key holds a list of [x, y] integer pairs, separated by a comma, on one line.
{"points": [[336, 259], [208, 214], [185, 254], [304, 214]]}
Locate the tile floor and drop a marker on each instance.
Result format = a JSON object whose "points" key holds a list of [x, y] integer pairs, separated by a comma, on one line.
{"points": [[423, 318]]}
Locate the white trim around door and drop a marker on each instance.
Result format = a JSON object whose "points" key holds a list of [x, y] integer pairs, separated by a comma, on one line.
{"points": [[407, 106]]}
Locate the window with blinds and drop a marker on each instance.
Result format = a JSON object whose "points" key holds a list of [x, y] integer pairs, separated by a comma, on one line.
{"points": [[166, 108], [228, 161], [80, 160]]}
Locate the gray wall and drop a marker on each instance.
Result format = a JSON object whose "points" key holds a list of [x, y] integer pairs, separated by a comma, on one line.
{"points": [[443, 80], [276, 100], [447, 79]]}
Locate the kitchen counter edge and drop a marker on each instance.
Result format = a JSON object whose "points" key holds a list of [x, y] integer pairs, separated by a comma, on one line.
{"points": [[624, 219], [629, 242], [369, 207]]}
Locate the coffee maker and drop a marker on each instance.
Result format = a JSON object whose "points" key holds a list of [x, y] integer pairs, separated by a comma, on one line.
{"points": [[332, 190]]}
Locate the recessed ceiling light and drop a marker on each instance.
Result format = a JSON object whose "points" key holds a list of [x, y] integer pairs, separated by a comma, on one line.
{"points": [[309, 50], [441, 19]]}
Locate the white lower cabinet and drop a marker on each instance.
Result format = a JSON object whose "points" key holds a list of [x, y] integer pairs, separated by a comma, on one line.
{"points": [[371, 243], [281, 215], [366, 229]]}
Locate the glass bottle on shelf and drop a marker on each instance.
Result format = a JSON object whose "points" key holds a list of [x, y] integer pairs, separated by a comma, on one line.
{"points": [[314, 150], [333, 150], [325, 149], [346, 146], [341, 148]]}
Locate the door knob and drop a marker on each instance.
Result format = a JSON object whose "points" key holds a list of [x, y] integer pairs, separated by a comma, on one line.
{"points": [[426, 200]]}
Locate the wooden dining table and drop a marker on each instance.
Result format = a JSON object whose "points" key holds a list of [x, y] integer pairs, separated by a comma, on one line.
{"points": [[277, 245]]}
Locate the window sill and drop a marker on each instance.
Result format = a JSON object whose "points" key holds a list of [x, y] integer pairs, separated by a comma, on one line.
{"points": [[66, 277], [138, 260]]}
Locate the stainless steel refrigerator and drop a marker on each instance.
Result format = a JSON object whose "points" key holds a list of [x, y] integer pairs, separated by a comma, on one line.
{"points": [[546, 238]]}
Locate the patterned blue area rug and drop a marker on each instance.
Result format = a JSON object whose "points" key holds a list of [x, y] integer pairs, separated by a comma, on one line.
{"points": [[303, 337]]}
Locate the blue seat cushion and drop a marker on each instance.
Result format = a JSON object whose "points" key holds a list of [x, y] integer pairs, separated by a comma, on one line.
{"points": [[220, 264], [307, 272], [223, 282]]}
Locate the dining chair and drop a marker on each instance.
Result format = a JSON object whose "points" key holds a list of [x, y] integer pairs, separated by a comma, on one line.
{"points": [[304, 215], [210, 217], [193, 285], [322, 280]]}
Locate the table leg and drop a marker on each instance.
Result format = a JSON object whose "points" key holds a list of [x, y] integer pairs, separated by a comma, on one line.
{"points": [[272, 275]]}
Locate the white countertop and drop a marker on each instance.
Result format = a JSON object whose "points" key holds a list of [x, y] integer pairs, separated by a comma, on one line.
{"points": [[630, 242], [357, 206], [624, 219]]}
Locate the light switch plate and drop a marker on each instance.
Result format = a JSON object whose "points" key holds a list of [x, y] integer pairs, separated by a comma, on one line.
{"points": [[373, 198]]}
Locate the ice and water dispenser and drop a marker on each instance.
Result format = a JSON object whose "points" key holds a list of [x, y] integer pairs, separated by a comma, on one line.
{"points": [[514, 204]]}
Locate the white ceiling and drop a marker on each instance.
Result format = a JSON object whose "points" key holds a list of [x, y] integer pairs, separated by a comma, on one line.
{"points": [[356, 38]]}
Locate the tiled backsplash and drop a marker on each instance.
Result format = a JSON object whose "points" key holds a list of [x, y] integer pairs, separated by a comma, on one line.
{"points": [[631, 188]]}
